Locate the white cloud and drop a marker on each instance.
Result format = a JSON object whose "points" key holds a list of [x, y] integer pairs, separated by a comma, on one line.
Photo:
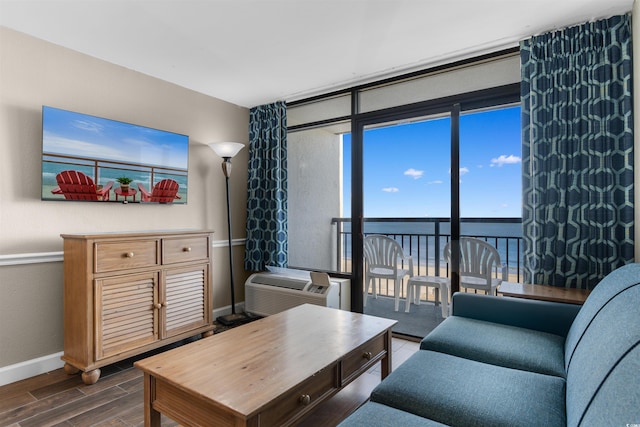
{"points": [[87, 125], [463, 170], [505, 160], [416, 174], [60, 145], [390, 190], [437, 181]]}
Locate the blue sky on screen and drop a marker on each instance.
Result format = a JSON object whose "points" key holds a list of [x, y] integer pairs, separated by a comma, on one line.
{"points": [[66, 132], [407, 167]]}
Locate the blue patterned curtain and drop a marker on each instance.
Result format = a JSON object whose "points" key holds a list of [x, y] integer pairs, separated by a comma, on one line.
{"points": [[267, 187], [577, 153]]}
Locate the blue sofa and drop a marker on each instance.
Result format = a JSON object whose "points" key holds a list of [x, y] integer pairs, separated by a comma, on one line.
{"points": [[515, 362]]}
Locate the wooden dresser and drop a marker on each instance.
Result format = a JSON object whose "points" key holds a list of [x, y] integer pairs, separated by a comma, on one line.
{"points": [[128, 293]]}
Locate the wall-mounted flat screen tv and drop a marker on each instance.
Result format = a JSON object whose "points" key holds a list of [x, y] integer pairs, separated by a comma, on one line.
{"points": [[88, 158]]}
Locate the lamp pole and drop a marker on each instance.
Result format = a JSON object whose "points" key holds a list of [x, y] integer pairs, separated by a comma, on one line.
{"points": [[227, 150], [226, 169]]}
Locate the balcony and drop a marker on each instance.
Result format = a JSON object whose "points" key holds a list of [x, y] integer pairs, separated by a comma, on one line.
{"points": [[424, 239]]}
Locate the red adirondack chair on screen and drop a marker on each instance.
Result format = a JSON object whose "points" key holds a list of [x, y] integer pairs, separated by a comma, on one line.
{"points": [[75, 185], [165, 191]]}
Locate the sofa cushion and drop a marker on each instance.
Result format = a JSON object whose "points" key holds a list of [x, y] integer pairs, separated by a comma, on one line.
{"points": [[498, 344], [458, 391], [603, 355], [373, 414], [544, 316]]}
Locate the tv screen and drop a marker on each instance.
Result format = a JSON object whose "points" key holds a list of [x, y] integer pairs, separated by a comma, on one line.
{"points": [[90, 158]]}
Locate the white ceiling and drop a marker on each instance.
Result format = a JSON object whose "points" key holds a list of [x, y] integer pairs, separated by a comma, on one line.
{"points": [[252, 52]]}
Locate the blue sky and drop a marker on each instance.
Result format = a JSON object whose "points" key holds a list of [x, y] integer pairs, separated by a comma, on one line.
{"points": [[69, 133], [406, 167]]}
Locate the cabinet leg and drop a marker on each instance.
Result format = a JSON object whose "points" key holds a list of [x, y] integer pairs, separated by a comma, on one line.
{"points": [[91, 377], [70, 369], [207, 334]]}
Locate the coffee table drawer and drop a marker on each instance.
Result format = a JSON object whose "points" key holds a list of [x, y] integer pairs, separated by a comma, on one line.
{"points": [[301, 399], [362, 357]]}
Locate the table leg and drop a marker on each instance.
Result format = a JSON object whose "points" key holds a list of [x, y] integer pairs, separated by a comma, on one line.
{"points": [[385, 362], [151, 416], [444, 299], [410, 292]]}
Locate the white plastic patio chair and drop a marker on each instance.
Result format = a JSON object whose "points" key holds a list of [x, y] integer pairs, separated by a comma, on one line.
{"points": [[479, 263], [384, 259]]}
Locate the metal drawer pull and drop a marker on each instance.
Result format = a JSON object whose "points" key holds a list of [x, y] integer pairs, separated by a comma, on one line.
{"points": [[305, 399], [128, 255], [187, 249], [367, 355]]}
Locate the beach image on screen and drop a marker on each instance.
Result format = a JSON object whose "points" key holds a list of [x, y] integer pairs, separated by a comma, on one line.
{"points": [[96, 159]]}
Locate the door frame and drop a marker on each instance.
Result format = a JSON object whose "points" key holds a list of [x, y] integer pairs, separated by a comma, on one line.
{"points": [[452, 105], [357, 186]]}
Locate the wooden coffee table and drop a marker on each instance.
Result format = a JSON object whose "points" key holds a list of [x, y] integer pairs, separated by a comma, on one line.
{"points": [[270, 372]]}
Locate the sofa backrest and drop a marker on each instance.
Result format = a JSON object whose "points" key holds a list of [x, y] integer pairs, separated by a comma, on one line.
{"points": [[602, 353]]}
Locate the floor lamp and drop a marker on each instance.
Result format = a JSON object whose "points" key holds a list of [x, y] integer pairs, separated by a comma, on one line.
{"points": [[227, 150]]}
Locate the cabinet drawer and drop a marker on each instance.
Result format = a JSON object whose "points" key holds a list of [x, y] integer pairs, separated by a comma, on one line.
{"points": [[185, 249], [300, 399], [113, 256], [361, 357]]}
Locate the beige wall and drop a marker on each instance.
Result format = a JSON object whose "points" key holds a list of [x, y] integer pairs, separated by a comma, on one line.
{"points": [[35, 73]]}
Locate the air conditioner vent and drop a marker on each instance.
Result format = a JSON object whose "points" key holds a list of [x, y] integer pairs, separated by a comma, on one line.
{"points": [[280, 281], [270, 293]]}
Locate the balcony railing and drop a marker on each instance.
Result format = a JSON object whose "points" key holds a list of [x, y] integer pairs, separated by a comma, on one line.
{"points": [[425, 238], [102, 170]]}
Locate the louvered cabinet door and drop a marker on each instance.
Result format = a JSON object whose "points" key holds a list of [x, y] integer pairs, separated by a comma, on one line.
{"points": [[127, 313], [186, 299]]}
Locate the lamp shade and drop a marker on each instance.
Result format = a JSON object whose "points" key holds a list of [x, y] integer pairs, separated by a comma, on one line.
{"points": [[226, 149]]}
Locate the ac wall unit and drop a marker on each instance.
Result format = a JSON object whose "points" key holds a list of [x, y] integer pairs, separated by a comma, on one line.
{"points": [[270, 293]]}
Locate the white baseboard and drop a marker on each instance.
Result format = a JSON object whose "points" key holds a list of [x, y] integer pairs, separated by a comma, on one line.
{"points": [[30, 368], [44, 364]]}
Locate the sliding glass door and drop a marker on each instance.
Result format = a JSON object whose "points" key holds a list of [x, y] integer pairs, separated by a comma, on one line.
{"points": [[389, 158], [406, 194], [424, 180], [491, 181]]}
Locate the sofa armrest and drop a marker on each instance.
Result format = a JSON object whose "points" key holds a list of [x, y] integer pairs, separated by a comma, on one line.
{"points": [[544, 316]]}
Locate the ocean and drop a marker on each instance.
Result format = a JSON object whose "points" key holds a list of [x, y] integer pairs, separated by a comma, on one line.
{"points": [[419, 239]]}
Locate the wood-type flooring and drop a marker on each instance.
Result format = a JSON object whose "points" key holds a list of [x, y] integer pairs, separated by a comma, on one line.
{"points": [[58, 399]]}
